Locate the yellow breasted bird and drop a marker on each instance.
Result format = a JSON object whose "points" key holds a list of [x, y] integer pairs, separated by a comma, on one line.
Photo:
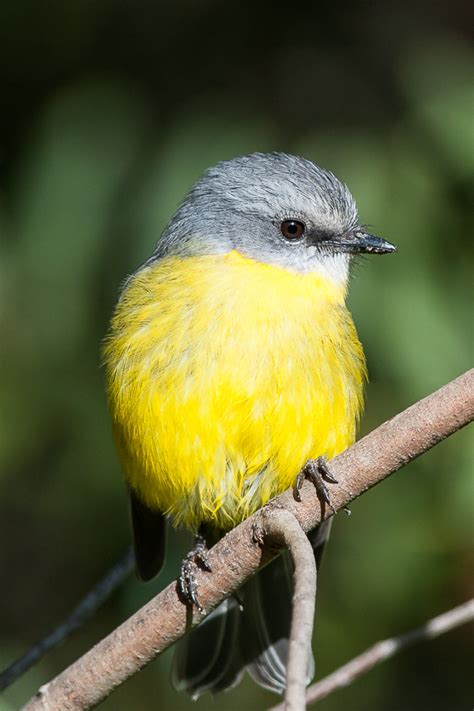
{"points": [[231, 361]]}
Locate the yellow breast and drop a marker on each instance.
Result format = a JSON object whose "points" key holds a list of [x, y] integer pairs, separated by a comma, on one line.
{"points": [[224, 376]]}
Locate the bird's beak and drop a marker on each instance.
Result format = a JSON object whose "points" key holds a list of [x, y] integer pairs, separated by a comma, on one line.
{"points": [[360, 242]]}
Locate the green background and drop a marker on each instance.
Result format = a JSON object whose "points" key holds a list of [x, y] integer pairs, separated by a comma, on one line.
{"points": [[109, 112]]}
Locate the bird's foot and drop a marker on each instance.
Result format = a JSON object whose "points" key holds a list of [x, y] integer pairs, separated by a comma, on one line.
{"points": [[197, 557], [317, 472]]}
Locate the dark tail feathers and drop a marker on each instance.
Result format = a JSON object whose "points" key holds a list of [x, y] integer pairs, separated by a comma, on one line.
{"points": [[252, 637]]}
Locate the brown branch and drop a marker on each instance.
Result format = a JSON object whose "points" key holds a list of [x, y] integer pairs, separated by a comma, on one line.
{"points": [[235, 557], [80, 614], [386, 649], [282, 527]]}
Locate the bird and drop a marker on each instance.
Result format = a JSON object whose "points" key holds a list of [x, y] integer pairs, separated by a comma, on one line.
{"points": [[232, 367]]}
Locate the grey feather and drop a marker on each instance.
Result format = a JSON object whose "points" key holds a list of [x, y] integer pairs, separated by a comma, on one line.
{"points": [[267, 615], [239, 205], [209, 658], [149, 538]]}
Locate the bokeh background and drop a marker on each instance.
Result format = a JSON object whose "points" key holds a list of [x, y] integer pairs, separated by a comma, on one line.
{"points": [[110, 110]]}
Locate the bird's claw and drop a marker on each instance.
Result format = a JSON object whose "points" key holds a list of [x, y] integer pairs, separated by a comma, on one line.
{"points": [[317, 472], [197, 557]]}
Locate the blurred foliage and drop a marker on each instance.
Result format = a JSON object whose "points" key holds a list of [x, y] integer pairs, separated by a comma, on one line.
{"points": [[111, 112]]}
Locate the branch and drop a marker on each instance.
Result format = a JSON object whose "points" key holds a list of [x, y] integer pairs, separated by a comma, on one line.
{"points": [[82, 612], [386, 649], [282, 526], [235, 557]]}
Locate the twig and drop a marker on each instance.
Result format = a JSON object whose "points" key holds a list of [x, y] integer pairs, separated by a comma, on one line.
{"points": [[235, 557], [82, 612], [285, 529], [386, 649]]}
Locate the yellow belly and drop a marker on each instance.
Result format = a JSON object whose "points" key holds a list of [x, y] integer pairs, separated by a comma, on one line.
{"points": [[224, 376]]}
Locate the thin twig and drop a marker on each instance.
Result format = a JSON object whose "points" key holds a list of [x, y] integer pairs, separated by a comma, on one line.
{"points": [[82, 612], [386, 649], [285, 529], [235, 557]]}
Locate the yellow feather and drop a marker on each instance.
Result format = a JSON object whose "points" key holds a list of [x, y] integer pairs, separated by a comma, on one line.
{"points": [[224, 376]]}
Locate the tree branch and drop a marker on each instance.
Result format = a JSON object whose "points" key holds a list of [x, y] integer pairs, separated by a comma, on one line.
{"points": [[235, 557], [386, 649], [283, 528]]}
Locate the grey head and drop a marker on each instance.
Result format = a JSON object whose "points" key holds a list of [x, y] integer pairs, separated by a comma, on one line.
{"points": [[274, 208]]}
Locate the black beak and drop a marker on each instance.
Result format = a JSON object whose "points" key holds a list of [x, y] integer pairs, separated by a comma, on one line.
{"points": [[359, 242]]}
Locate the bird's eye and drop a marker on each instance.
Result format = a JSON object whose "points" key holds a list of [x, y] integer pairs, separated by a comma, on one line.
{"points": [[292, 229]]}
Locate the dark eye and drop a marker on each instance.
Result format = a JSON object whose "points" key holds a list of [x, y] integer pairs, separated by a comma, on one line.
{"points": [[292, 229]]}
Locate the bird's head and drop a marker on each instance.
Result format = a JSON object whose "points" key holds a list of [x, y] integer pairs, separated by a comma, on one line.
{"points": [[273, 208]]}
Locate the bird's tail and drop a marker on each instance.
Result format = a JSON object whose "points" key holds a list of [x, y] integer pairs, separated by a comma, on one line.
{"points": [[208, 658], [251, 634]]}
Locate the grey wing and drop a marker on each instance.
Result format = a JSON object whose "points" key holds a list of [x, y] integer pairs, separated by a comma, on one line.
{"points": [[149, 538], [209, 658]]}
